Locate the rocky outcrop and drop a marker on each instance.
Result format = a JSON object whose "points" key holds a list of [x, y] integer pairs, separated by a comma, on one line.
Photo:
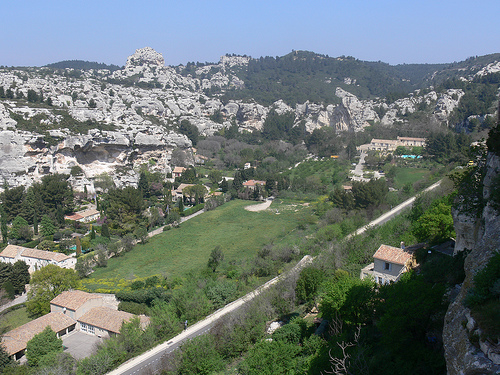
{"points": [[462, 356]]}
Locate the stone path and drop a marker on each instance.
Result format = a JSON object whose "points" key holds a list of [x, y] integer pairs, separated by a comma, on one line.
{"points": [[259, 207]]}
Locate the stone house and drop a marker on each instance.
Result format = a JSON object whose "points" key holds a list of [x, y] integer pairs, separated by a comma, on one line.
{"points": [[85, 216], [389, 263], [35, 258], [72, 310], [15, 341], [252, 184], [178, 171]]}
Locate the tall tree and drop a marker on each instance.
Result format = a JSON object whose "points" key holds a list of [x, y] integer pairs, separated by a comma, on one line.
{"points": [[12, 199], [42, 345], [47, 283], [216, 258], [20, 276], [48, 227]]}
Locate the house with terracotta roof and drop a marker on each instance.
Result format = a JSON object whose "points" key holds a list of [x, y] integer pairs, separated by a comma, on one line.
{"points": [[69, 311], [106, 322], [85, 216], [389, 263], [35, 258], [177, 193], [75, 303], [178, 171], [15, 341], [252, 184]]}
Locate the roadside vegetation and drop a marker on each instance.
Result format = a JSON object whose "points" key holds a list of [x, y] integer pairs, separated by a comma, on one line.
{"points": [[198, 266]]}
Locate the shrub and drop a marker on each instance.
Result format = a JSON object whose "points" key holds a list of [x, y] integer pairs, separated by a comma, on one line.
{"points": [[193, 210], [134, 308]]}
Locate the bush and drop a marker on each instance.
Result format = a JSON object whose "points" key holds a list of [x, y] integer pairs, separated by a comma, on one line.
{"points": [[134, 308], [193, 210], [484, 283]]}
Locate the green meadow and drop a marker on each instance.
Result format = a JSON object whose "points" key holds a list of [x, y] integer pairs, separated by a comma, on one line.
{"points": [[176, 252]]}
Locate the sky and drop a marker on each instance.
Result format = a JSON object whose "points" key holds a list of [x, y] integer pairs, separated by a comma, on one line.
{"points": [[35, 33]]}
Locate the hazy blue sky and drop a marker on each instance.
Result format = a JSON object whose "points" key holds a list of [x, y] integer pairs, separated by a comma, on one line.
{"points": [[35, 33]]}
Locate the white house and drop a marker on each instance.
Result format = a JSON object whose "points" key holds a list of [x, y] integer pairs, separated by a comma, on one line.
{"points": [[389, 263], [35, 258]]}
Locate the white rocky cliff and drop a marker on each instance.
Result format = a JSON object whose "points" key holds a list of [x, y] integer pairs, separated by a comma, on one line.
{"points": [[100, 120]]}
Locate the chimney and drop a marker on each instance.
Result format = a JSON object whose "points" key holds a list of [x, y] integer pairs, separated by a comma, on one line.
{"points": [[402, 245]]}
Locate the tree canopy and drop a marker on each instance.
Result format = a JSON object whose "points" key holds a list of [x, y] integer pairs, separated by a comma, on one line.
{"points": [[46, 284]]}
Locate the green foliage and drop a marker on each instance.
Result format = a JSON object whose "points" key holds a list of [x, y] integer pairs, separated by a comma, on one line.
{"points": [[20, 276], [5, 360], [362, 195], [190, 131], [308, 283], [199, 356], [216, 258], [339, 295], [493, 141], [20, 230], [408, 311], [124, 208], [164, 320], [17, 275], [47, 226], [82, 65], [278, 126], [143, 296], [43, 345], [12, 199], [46, 284], [221, 292], [484, 283], [53, 191], [435, 225], [270, 358], [300, 76]]}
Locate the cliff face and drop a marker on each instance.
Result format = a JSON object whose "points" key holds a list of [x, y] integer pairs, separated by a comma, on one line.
{"points": [[482, 237]]}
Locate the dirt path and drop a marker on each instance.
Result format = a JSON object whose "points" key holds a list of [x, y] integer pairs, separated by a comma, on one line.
{"points": [[259, 207]]}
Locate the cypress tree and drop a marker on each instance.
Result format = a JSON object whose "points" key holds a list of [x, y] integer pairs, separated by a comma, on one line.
{"points": [[105, 230], [35, 222], [4, 228]]}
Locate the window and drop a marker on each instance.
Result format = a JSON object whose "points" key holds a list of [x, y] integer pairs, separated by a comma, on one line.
{"points": [[87, 328], [387, 266]]}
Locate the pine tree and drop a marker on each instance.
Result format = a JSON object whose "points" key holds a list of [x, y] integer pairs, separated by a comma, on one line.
{"points": [[48, 228]]}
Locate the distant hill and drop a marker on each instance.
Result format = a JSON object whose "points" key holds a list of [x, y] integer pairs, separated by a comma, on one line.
{"points": [[303, 75], [82, 65]]}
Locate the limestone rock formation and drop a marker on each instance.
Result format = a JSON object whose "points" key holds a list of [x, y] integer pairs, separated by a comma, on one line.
{"points": [[462, 357], [145, 56]]}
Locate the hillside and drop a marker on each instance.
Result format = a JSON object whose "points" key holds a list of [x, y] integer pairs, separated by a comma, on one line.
{"points": [[103, 119]]}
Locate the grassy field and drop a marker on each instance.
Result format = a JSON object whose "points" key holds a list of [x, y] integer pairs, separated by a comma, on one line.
{"points": [[410, 175], [13, 318], [174, 253]]}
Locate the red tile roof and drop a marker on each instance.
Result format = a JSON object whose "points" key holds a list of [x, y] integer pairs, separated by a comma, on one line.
{"points": [[73, 299], [16, 340], [254, 183], [47, 255], [106, 318], [11, 251], [393, 254]]}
